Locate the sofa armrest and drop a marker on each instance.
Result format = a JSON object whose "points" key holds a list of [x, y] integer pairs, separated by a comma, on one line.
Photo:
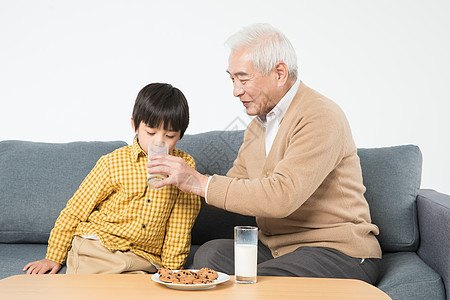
{"points": [[434, 225]]}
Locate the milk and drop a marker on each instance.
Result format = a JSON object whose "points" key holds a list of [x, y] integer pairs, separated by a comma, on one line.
{"points": [[245, 262], [152, 179]]}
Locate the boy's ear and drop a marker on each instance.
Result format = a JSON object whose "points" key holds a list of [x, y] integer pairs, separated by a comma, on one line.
{"points": [[132, 125]]}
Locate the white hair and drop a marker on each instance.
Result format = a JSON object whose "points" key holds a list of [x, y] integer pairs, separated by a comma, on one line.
{"points": [[267, 45]]}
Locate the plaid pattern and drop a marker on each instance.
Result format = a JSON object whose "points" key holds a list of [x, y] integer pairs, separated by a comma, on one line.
{"points": [[115, 204]]}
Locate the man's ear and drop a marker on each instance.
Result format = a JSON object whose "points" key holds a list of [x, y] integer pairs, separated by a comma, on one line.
{"points": [[282, 73]]}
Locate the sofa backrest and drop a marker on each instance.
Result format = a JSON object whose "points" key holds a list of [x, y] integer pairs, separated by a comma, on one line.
{"points": [[214, 151], [37, 180], [391, 176]]}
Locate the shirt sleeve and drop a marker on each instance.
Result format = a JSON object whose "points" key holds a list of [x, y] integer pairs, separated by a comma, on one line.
{"points": [[95, 188], [206, 189], [177, 241]]}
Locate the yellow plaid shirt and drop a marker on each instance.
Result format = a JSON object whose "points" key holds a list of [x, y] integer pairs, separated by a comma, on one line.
{"points": [[115, 204]]}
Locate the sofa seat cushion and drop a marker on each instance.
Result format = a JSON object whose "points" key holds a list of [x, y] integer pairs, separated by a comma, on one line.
{"points": [[405, 276], [37, 180], [16, 256]]}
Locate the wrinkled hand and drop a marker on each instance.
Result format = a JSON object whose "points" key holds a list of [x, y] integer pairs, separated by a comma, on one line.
{"points": [[179, 173], [42, 266]]}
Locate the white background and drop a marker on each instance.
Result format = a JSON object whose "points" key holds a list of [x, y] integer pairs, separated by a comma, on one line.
{"points": [[71, 70]]}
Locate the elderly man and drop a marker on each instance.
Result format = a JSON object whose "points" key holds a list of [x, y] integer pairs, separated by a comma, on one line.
{"points": [[297, 172]]}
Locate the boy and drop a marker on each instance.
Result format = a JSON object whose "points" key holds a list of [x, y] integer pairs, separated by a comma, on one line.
{"points": [[115, 223]]}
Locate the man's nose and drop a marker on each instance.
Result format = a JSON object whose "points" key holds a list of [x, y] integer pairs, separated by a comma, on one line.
{"points": [[237, 90]]}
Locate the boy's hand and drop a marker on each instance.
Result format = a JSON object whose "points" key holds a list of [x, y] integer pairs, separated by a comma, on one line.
{"points": [[42, 266], [179, 173]]}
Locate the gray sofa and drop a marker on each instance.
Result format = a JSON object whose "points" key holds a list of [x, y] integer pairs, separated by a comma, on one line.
{"points": [[37, 179]]}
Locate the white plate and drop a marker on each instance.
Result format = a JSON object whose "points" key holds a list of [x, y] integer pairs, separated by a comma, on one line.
{"points": [[192, 287]]}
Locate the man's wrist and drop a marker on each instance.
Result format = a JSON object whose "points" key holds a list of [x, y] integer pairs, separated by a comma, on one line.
{"points": [[200, 185]]}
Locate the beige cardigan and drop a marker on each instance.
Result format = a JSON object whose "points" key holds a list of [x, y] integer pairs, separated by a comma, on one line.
{"points": [[309, 190]]}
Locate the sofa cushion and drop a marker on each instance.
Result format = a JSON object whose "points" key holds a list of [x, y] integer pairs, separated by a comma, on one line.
{"points": [[16, 256], [392, 179], [405, 276], [37, 180]]}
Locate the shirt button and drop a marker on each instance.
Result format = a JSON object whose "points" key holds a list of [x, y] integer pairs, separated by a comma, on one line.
{"points": [[275, 253], [148, 200], [143, 226]]}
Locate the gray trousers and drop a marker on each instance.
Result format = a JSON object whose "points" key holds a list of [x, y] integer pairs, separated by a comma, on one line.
{"points": [[303, 262]]}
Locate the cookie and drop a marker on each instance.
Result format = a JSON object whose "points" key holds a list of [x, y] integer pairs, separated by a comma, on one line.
{"points": [[167, 278], [186, 273], [202, 281], [164, 271], [207, 273], [186, 280], [203, 276]]}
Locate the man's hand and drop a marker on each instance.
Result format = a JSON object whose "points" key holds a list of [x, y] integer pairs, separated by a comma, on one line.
{"points": [[42, 266], [179, 173]]}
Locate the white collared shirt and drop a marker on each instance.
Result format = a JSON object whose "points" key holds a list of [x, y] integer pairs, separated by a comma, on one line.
{"points": [[276, 115]]}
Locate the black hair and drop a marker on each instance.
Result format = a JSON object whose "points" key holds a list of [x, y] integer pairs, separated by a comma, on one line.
{"points": [[161, 103]]}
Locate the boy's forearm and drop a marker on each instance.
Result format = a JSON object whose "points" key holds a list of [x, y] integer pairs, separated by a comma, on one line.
{"points": [[58, 246]]}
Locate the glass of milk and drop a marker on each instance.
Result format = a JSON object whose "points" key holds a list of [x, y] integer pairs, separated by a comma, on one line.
{"points": [[156, 147], [245, 254]]}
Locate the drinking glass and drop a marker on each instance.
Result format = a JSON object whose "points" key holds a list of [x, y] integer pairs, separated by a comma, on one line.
{"points": [[245, 254], [156, 147]]}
